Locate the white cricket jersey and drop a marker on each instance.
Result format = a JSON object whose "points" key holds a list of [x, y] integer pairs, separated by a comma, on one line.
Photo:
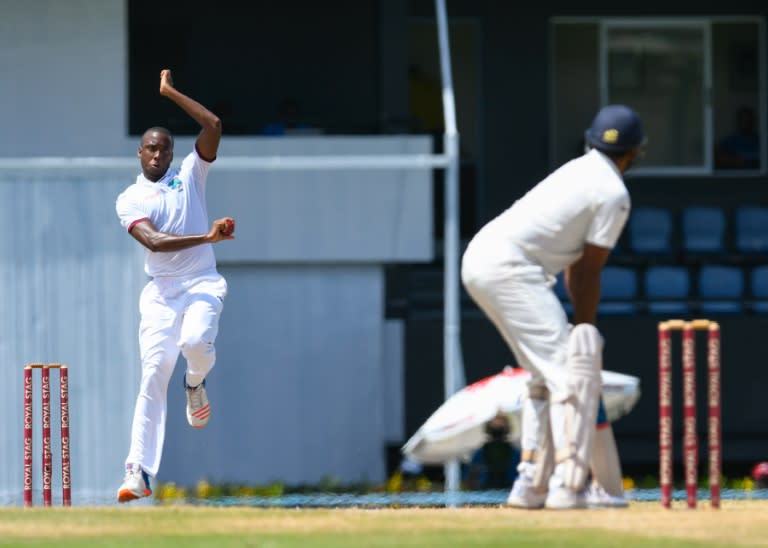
{"points": [[175, 205], [584, 201]]}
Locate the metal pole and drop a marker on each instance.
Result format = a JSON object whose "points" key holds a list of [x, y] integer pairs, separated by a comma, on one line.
{"points": [[270, 163], [453, 366]]}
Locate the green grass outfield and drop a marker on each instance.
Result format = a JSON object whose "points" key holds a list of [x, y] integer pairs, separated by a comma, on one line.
{"points": [[738, 523]]}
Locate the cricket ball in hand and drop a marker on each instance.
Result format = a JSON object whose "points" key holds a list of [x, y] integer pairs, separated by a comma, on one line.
{"points": [[229, 228]]}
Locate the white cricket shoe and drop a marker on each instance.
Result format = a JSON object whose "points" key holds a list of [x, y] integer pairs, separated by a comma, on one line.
{"points": [[523, 495], [198, 408], [562, 498], [597, 497], [135, 486]]}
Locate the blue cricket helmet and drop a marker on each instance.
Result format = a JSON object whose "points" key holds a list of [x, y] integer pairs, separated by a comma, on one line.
{"points": [[616, 128]]}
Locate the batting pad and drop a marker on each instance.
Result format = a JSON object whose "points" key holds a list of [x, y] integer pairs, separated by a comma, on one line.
{"points": [[545, 461], [575, 416], [536, 434]]}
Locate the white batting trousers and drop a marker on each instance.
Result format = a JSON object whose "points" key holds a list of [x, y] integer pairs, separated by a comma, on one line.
{"points": [[178, 315], [518, 299]]}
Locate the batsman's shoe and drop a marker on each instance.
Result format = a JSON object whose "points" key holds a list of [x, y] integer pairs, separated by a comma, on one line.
{"points": [[135, 486], [597, 497], [198, 408], [523, 495], [562, 498]]}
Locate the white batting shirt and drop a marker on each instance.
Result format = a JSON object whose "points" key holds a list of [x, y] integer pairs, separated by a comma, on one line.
{"points": [[584, 201], [175, 205]]}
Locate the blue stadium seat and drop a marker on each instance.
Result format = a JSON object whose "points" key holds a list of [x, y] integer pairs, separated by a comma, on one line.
{"points": [[667, 289], [751, 229], [721, 289], [618, 290], [759, 285], [703, 229], [650, 231]]}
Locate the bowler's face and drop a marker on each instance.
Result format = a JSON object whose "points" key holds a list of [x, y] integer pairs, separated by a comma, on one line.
{"points": [[155, 154]]}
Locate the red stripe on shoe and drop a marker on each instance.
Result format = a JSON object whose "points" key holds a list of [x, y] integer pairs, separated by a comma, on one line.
{"points": [[202, 412]]}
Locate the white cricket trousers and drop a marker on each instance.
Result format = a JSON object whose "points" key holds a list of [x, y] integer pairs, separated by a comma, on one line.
{"points": [[178, 315], [517, 296]]}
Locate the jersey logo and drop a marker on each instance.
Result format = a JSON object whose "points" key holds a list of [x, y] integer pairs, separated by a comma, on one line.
{"points": [[175, 183]]}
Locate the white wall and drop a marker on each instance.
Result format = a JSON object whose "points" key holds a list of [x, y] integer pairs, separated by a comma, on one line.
{"points": [[372, 216], [63, 68], [296, 394]]}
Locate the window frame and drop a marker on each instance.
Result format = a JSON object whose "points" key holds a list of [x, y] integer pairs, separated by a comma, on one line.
{"points": [[703, 23]]}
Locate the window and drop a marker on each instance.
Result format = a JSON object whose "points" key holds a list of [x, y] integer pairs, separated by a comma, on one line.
{"points": [[698, 84]]}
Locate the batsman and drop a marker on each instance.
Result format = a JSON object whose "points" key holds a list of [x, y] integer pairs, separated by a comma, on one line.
{"points": [[569, 222]]}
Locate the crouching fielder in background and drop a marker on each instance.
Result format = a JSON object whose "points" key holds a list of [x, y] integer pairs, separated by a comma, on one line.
{"points": [[568, 222]]}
